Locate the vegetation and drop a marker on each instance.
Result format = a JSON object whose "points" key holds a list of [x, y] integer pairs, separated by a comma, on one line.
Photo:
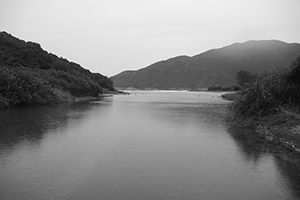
{"points": [[30, 75], [272, 106], [244, 78], [274, 90], [20, 86], [224, 88]]}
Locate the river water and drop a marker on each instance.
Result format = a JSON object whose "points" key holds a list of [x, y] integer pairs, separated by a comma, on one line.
{"points": [[147, 145]]}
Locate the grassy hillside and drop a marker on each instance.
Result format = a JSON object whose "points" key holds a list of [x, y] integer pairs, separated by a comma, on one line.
{"points": [[30, 75], [214, 67]]}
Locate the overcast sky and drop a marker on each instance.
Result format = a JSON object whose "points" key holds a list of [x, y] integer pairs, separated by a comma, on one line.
{"points": [[115, 35]]}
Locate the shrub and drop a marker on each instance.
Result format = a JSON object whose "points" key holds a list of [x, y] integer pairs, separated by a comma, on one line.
{"points": [[275, 89], [21, 86]]}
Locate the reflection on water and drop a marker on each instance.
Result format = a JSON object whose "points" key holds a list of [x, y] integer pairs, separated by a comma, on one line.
{"points": [[148, 145], [254, 150], [288, 166], [28, 125]]}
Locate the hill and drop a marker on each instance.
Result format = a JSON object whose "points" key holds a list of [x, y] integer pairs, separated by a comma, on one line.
{"points": [[31, 75], [213, 67]]}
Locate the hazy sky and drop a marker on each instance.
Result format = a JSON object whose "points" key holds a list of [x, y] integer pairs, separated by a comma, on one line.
{"points": [[115, 35]]}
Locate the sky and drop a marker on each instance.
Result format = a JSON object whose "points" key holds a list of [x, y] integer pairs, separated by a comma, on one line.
{"points": [[111, 36]]}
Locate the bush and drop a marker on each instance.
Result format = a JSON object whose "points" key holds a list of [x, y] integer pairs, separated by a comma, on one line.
{"points": [[245, 78], [272, 91], [20, 86], [254, 102]]}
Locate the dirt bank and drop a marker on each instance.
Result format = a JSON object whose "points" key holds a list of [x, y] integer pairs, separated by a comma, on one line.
{"points": [[282, 128]]}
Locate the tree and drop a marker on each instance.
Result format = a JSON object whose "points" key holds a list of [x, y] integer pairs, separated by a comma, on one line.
{"points": [[244, 78]]}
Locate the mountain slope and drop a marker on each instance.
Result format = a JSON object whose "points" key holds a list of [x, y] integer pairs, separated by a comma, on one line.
{"points": [[217, 66], [30, 75]]}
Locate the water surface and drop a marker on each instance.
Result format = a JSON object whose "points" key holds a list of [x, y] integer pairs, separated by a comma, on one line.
{"points": [[147, 145]]}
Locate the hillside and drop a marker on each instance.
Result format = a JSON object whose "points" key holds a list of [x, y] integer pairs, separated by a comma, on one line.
{"points": [[213, 67], [31, 75]]}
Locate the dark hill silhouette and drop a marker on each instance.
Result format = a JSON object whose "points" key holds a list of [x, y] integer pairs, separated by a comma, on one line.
{"points": [[213, 67], [31, 75]]}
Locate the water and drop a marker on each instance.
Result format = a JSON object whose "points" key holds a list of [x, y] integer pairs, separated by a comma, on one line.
{"points": [[147, 145]]}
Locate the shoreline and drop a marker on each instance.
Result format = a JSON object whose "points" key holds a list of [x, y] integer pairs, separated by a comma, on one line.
{"points": [[272, 129], [282, 128], [62, 97]]}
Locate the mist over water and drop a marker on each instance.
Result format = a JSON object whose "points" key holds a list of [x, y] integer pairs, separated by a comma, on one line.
{"points": [[147, 145]]}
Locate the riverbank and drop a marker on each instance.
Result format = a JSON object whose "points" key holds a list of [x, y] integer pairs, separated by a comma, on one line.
{"points": [[281, 128], [60, 96], [66, 97], [271, 106]]}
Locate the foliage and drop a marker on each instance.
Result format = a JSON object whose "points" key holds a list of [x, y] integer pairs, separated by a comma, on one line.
{"points": [[271, 92], [215, 88], [224, 88], [244, 78], [20, 86], [29, 74]]}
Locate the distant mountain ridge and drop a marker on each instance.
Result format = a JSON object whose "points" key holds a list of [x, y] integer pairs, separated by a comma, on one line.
{"points": [[213, 67]]}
